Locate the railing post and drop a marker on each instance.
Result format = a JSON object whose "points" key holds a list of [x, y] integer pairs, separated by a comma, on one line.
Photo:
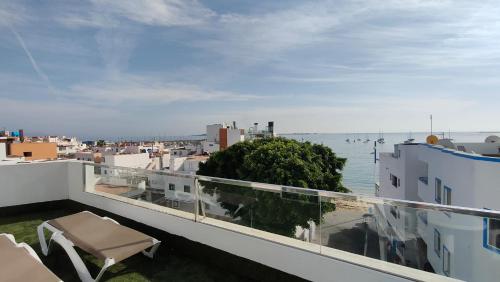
{"points": [[320, 225], [196, 199]]}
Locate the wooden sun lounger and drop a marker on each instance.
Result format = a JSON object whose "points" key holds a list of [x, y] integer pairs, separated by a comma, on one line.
{"points": [[19, 262], [100, 236]]}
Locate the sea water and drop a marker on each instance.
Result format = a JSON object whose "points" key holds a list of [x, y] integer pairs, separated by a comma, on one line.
{"points": [[360, 172]]}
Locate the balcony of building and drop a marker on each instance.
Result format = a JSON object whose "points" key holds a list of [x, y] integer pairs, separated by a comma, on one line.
{"points": [[221, 229]]}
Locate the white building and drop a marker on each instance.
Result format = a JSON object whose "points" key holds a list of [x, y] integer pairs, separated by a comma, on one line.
{"points": [[66, 145], [188, 165], [88, 156], [213, 132], [210, 147], [459, 174], [3, 151]]}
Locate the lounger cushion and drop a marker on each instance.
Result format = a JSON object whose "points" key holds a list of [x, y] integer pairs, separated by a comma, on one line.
{"points": [[100, 237], [17, 264]]}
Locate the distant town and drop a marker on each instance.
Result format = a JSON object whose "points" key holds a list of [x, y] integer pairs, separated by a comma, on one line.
{"points": [[181, 156]]}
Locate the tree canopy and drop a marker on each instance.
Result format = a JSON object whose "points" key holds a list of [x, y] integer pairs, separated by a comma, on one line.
{"points": [[276, 161]]}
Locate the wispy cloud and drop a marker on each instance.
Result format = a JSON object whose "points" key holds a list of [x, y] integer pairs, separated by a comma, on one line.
{"points": [[106, 13], [11, 14], [148, 90], [34, 64]]}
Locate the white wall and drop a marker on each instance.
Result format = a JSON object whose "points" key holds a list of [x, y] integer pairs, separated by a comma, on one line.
{"points": [[33, 182], [3, 151], [213, 132], [128, 160], [234, 136], [176, 163], [210, 147]]}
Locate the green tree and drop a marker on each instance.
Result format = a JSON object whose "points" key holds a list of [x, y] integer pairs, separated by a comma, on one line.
{"points": [[101, 143], [276, 161]]}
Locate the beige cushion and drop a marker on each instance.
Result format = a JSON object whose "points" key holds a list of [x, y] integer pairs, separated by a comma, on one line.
{"points": [[16, 264], [100, 237]]}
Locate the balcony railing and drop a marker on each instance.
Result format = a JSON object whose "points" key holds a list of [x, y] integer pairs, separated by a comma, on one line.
{"points": [[318, 221]]}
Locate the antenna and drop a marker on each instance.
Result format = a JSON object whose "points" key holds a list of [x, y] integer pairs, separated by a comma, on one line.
{"points": [[431, 124]]}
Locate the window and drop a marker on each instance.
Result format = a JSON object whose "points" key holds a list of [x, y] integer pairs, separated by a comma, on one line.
{"points": [[494, 233], [437, 195], [187, 188], [446, 261], [437, 242], [28, 154], [394, 180], [171, 187], [447, 196]]}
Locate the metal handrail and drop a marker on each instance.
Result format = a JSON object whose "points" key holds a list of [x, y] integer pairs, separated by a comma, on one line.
{"points": [[323, 194]]}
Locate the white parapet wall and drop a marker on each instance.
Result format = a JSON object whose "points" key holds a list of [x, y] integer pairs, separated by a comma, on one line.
{"points": [[29, 183], [33, 183]]}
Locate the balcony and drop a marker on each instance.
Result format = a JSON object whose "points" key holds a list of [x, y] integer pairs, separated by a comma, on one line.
{"points": [[248, 230]]}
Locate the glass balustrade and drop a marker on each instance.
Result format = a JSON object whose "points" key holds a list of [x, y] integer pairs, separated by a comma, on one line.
{"points": [[458, 242]]}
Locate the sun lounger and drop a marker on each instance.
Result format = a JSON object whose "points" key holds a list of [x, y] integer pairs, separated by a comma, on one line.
{"points": [[100, 236], [19, 262]]}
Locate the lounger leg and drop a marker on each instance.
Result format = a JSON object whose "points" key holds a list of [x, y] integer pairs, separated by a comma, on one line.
{"points": [[152, 251], [107, 263], [41, 236], [77, 261], [68, 246]]}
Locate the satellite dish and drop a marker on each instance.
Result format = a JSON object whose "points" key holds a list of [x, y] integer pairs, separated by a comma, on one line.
{"points": [[447, 144], [432, 139], [492, 139]]}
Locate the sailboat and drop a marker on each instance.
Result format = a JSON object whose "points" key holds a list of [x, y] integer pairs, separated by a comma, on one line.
{"points": [[366, 139], [410, 138], [381, 139]]}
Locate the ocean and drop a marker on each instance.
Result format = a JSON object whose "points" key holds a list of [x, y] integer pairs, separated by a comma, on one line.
{"points": [[360, 172]]}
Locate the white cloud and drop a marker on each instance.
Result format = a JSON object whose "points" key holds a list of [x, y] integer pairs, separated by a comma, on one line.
{"points": [[366, 115], [147, 90], [12, 14], [106, 13]]}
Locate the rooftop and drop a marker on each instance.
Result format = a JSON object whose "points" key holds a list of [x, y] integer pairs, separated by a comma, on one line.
{"points": [[173, 261], [222, 229]]}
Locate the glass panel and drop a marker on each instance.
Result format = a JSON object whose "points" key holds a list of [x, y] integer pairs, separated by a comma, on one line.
{"points": [[457, 242], [143, 185], [434, 239], [287, 213]]}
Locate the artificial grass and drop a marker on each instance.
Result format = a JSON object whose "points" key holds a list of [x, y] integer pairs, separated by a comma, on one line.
{"points": [[164, 267]]}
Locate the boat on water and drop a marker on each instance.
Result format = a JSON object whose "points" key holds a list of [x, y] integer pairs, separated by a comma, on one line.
{"points": [[380, 139]]}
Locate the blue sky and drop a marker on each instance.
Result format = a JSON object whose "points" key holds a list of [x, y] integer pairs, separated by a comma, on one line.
{"points": [[169, 67]]}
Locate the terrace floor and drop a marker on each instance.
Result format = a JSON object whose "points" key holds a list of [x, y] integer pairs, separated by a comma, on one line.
{"points": [[169, 264]]}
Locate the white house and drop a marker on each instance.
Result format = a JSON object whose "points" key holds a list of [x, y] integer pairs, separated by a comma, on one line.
{"points": [[460, 174], [3, 151]]}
